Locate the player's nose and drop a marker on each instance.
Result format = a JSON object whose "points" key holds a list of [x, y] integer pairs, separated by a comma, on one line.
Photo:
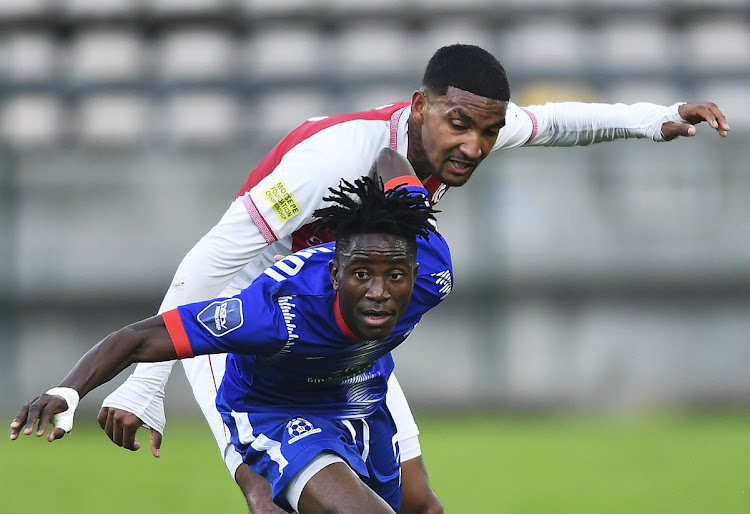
{"points": [[377, 290]]}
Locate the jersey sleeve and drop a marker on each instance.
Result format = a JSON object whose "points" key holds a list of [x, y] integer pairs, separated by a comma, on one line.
{"points": [[579, 123], [248, 323]]}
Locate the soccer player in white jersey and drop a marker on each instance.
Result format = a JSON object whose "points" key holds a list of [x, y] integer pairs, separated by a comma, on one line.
{"points": [[309, 342], [460, 114]]}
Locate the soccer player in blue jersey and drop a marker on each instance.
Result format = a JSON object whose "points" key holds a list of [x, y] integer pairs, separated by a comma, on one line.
{"points": [[309, 345]]}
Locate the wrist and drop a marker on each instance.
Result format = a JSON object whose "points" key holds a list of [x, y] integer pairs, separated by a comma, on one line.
{"points": [[64, 419]]}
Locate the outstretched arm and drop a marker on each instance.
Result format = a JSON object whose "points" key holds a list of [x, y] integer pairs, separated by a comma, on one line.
{"points": [[578, 123], [145, 341]]}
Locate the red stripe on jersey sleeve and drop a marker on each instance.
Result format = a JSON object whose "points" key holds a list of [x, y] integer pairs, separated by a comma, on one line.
{"points": [[404, 180], [534, 124], [177, 333], [259, 220]]}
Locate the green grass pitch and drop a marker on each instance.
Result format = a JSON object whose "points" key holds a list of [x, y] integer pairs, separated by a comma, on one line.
{"points": [[477, 463]]}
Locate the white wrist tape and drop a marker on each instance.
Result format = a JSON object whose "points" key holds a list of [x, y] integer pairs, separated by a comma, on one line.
{"points": [[64, 419]]}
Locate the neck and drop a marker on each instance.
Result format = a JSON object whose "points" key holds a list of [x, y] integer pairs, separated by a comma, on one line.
{"points": [[415, 151]]}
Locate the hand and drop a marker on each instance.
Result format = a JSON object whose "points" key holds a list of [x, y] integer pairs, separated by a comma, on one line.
{"points": [[694, 114], [121, 426], [40, 409]]}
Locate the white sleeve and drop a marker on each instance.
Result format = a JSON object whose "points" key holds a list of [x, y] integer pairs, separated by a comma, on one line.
{"points": [[577, 123], [204, 272]]}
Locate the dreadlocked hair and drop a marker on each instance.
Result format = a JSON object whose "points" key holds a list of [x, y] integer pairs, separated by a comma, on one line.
{"points": [[364, 208]]}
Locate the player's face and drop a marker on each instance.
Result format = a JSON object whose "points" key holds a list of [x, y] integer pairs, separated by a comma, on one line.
{"points": [[453, 133], [374, 281]]}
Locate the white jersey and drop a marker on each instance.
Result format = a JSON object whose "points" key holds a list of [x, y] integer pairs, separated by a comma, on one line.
{"points": [[273, 210]]}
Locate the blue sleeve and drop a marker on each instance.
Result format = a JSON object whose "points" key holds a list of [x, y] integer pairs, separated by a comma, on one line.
{"points": [[249, 323]]}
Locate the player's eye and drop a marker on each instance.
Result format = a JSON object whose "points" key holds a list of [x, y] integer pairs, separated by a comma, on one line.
{"points": [[397, 275], [360, 274]]}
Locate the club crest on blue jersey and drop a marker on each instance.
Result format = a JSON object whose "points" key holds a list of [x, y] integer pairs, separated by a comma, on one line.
{"points": [[222, 316], [299, 428]]}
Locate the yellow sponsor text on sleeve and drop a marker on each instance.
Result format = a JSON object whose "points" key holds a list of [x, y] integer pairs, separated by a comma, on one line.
{"points": [[282, 201]]}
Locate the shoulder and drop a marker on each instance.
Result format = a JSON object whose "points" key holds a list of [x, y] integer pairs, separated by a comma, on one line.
{"points": [[521, 126], [305, 271]]}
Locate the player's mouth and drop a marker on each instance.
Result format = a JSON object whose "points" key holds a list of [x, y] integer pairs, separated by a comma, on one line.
{"points": [[460, 167], [376, 319]]}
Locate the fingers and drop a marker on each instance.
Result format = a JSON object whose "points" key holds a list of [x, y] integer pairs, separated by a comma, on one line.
{"points": [[39, 412], [18, 422], [128, 438], [708, 112], [671, 130], [156, 443], [102, 417], [56, 433], [121, 427]]}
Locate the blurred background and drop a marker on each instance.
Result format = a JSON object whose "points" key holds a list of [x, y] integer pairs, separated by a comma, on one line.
{"points": [[608, 278]]}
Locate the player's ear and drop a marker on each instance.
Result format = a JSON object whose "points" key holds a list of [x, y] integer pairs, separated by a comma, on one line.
{"points": [[418, 105], [333, 270]]}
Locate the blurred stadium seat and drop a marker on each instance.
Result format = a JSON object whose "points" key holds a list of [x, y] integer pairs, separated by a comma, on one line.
{"points": [[278, 112], [29, 56], [20, 8], [633, 42], [195, 53], [113, 120], [280, 50], [467, 30], [371, 97], [201, 118], [97, 8], [528, 45], [264, 7], [30, 120], [185, 6], [106, 54], [369, 47], [704, 50]]}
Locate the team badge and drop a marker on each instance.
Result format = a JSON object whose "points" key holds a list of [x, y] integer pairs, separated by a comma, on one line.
{"points": [[299, 428], [222, 316], [282, 202]]}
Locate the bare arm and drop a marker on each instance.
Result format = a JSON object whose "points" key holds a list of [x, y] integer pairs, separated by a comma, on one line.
{"points": [[390, 164], [144, 341]]}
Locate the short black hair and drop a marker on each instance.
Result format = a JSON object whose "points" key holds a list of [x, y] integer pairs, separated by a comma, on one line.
{"points": [[466, 67], [371, 210]]}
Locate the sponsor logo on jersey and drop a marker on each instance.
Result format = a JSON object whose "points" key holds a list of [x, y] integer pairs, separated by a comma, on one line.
{"points": [[222, 316], [299, 428], [281, 200]]}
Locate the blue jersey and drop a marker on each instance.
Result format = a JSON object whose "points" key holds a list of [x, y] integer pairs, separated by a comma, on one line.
{"points": [[288, 345]]}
